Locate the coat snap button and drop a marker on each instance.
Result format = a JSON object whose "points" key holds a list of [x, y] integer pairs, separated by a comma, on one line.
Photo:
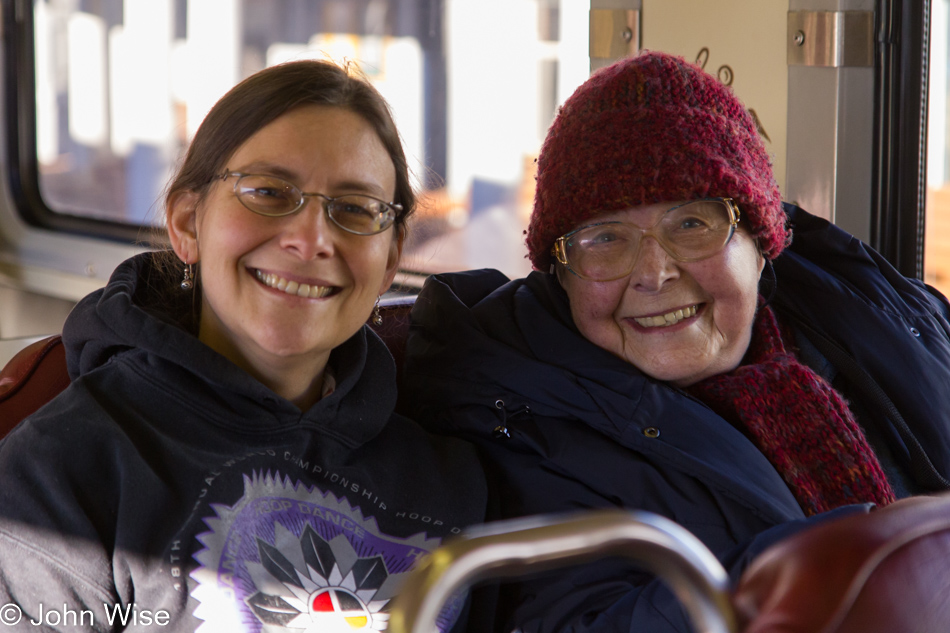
{"points": [[915, 332], [651, 432]]}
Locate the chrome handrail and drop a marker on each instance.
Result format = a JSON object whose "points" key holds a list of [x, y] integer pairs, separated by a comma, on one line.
{"points": [[514, 548]]}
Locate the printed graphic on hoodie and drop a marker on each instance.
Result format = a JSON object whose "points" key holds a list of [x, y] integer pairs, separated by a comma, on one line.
{"points": [[291, 558]]}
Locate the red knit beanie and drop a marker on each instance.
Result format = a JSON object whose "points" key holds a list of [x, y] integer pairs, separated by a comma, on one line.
{"points": [[648, 129]]}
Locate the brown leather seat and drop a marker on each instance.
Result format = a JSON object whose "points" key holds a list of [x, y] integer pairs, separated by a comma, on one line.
{"points": [[38, 372], [883, 572], [30, 380]]}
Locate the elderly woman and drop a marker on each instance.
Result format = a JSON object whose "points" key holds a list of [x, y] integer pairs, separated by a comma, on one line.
{"points": [[677, 351]]}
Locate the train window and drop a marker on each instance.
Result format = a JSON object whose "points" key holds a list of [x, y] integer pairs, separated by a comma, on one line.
{"points": [[109, 92], [116, 88], [937, 236]]}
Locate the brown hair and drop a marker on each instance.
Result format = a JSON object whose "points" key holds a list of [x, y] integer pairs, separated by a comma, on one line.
{"points": [[272, 92]]}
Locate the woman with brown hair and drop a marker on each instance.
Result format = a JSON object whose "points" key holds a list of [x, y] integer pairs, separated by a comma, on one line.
{"points": [[227, 456]]}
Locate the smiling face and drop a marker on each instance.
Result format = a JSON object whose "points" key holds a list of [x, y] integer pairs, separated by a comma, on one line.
{"points": [[278, 294], [677, 322]]}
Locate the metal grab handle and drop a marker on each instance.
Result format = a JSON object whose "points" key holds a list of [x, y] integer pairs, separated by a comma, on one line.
{"points": [[513, 548]]}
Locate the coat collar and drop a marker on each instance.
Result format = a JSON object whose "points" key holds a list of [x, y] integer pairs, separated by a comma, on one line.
{"points": [[514, 341]]}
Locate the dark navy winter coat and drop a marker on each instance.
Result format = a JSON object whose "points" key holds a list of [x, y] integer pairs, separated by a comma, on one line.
{"points": [[564, 425]]}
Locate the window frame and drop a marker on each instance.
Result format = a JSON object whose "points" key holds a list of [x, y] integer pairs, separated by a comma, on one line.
{"points": [[901, 67], [23, 177]]}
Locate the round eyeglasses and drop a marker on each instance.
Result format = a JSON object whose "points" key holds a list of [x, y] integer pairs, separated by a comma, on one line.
{"points": [[276, 197], [688, 232]]}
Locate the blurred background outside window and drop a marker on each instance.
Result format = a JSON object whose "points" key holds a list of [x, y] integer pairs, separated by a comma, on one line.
{"points": [[121, 86]]}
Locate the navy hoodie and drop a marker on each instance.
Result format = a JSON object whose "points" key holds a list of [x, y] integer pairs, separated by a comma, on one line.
{"points": [[165, 488]]}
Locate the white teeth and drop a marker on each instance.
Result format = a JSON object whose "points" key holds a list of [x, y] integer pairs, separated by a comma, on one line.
{"points": [[668, 319], [292, 287]]}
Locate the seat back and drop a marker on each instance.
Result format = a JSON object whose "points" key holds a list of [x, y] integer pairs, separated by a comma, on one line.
{"points": [[38, 372], [885, 571], [30, 379]]}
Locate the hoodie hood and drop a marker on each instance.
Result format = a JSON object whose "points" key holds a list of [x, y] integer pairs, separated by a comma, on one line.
{"points": [[130, 322]]}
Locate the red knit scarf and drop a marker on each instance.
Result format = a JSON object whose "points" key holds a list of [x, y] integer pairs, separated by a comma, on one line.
{"points": [[801, 424]]}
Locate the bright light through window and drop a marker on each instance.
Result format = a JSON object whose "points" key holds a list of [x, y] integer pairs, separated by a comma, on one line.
{"points": [[473, 85]]}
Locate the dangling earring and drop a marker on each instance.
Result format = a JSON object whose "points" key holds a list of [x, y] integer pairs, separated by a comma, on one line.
{"points": [[377, 317], [187, 283]]}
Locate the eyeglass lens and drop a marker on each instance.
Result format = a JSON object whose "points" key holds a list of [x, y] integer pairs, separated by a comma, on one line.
{"points": [[272, 196], [689, 232]]}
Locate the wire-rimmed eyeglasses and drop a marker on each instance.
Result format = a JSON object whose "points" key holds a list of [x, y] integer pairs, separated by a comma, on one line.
{"points": [[688, 232], [275, 197]]}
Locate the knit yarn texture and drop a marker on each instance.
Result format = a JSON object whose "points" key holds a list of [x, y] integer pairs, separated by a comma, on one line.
{"points": [[650, 129], [800, 422]]}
